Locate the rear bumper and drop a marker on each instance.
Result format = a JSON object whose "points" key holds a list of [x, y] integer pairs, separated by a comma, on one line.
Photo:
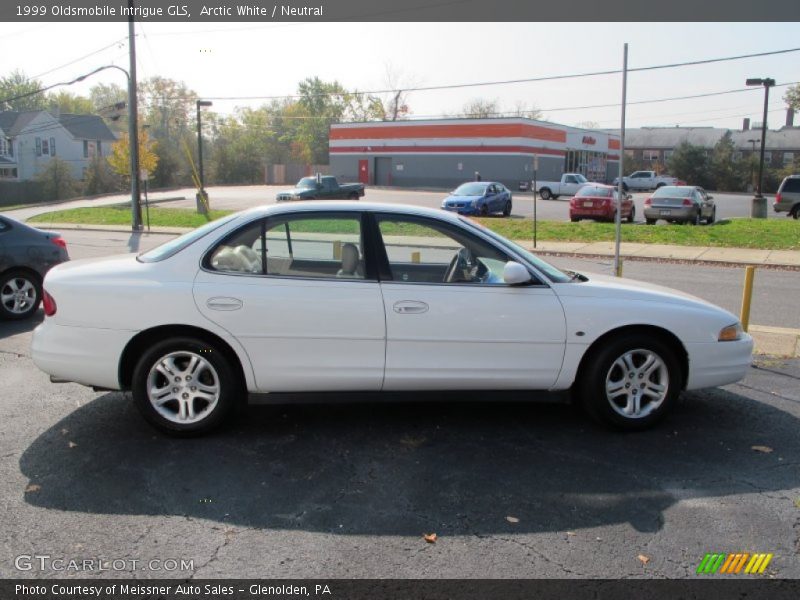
{"points": [[676, 213], [84, 355], [718, 363], [591, 213]]}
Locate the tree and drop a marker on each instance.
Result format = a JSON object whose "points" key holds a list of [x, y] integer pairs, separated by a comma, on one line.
{"points": [[729, 174], [57, 181], [395, 102], [521, 109], [18, 84], [690, 163], [66, 102], [792, 97], [478, 108], [100, 179], [120, 159]]}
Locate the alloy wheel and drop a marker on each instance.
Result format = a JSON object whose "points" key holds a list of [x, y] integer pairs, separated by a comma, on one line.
{"points": [[637, 383], [183, 387]]}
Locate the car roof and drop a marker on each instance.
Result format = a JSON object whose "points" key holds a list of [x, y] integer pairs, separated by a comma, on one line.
{"points": [[317, 206]]}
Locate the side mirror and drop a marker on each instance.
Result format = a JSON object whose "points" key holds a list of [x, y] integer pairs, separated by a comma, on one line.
{"points": [[515, 274]]}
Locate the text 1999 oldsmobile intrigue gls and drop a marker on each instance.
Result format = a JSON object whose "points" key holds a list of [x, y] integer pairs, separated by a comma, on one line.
{"points": [[367, 297]]}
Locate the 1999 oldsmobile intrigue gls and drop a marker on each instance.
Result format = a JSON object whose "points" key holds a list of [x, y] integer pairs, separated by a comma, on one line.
{"points": [[352, 297]]}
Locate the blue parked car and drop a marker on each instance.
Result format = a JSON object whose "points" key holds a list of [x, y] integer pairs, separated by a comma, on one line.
{"points": [[479, 198]]}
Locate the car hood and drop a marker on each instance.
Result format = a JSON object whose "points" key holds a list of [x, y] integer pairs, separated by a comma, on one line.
{"points": [[296, 191], [461, 198], [606, 286]]}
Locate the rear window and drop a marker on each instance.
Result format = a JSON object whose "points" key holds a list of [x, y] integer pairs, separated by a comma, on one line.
{"points": [[791, 185], [597, 192], [172, 247], [671, 191]]}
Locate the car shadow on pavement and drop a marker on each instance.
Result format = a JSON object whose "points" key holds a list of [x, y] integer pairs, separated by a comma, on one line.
{"points": [[12, 328], [456, 468]]}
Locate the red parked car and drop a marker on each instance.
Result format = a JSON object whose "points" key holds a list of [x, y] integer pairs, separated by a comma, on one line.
{"points": [[597, 201]]}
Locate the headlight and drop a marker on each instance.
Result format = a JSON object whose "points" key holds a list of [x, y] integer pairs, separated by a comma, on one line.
{"points": [[731, 333]]}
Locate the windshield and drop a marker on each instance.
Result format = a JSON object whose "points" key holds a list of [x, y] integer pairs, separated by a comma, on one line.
{"points": [[307, 182], [470, 189], [596, 192], [172, 247], [555, 275], [671, 191]]}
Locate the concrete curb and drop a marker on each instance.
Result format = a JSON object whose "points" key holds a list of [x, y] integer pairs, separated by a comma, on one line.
{"points": [[776, 341]]}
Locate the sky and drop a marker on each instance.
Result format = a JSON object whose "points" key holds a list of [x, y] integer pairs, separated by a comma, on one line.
{"points": [[269, 59]]}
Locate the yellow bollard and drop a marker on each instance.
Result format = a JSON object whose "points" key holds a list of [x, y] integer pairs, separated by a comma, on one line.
{"points": [[747, 296], [415, 257], [337, 250]]}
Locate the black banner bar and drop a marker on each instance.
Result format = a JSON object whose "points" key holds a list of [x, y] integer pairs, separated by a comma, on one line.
{"points": [[711, 588], [198, 11]]}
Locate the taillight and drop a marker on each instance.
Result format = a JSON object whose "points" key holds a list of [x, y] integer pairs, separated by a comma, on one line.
{"points": [[687, 202], [59, 241], [648, 202], [48, 303], [777, 198]]}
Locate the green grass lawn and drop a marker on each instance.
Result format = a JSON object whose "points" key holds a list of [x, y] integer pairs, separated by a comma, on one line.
{"points": [[771, 234]]}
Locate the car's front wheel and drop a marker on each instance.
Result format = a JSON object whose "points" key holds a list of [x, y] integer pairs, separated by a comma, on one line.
{"points": [[185, 386], [631, 382], [20, 294], [507, 209]]}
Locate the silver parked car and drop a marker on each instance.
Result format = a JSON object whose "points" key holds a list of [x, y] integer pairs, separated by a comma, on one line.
{"points": [[680, 204], [788, 197], [26, 254]]}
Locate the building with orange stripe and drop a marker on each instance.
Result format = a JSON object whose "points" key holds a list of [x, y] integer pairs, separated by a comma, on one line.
{"points": [[446, 152]]}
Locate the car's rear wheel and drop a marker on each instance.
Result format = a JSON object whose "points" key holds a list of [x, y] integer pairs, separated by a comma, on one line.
{"points": [[650, 221], [545, 194], [353, 196], [795, 212], [630, 383], [507, 209], [712, 217], [695, 220], [185, 386], [632, 216], [20, 294]]}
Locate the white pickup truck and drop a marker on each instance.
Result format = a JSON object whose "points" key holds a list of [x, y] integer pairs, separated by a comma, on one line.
{"points": [[570, 183], [647, 180]]}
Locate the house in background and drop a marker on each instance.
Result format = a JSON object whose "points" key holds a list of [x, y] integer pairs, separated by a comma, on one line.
{"points": [[30, 140]]}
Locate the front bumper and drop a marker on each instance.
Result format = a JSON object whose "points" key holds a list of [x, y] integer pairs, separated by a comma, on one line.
{"points": [[718, 363], [85, 355], [462, 210]]}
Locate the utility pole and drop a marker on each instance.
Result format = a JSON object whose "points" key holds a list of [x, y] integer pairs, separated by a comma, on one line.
{"points": [[758, 208], [202, 195], [133, 128], [621, 190]]}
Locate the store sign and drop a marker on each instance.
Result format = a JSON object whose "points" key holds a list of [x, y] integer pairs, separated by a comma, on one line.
{"points": [[589, 140]]}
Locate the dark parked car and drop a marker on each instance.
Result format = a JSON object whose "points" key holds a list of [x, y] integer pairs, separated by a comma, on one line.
{"points": [[322, 187], [479, 198], [26, 254], [680, 204]]}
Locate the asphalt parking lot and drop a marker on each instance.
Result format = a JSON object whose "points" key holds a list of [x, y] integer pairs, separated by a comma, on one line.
{"points": [[512, 489]]}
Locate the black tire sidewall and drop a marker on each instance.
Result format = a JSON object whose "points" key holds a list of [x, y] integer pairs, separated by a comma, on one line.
{"points": [[231, 386], [591, 381], [37, 286]]}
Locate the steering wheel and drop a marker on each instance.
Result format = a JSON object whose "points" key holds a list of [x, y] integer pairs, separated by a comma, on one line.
{"points": [[462, 262]]}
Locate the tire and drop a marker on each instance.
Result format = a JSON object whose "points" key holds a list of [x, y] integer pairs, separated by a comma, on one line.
{"points": [[507, 209], [574, 219], [696, 220], [660, 185], [713, 217], [633, 357], [795, 212], [624, 187], [545, 194], [353, 196], [171, 410], [20, 294], [632, 216], [650, 221], [484, 210]]}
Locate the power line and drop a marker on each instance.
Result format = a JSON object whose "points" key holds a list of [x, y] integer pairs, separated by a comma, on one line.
{"points": [[526, 80], [72, 62]]}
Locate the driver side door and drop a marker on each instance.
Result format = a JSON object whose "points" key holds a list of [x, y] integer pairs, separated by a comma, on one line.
{"points": [[455, 326]]}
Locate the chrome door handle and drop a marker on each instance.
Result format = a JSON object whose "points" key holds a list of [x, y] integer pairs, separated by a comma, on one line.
{"points": [[224, 303], [408, 307]]}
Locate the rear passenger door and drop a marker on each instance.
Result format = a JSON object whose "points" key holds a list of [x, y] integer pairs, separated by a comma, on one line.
{"points": [[296, 292]]}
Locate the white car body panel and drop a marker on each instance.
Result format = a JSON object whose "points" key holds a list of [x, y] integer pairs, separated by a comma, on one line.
{"points": [[510, 337], [295, 334]]}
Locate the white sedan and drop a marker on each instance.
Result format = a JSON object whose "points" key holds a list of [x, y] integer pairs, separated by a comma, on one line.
{"points": [[368, 297]]}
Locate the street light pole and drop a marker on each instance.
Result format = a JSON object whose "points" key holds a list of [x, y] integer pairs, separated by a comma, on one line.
{"points": [[202, 196], [752, 155], [133, 128], [758, 209]]}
